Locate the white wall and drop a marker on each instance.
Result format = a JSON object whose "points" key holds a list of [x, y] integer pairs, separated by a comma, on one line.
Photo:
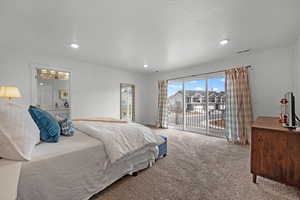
{"points": [[95, 89], [296, 75], [271, 77]]}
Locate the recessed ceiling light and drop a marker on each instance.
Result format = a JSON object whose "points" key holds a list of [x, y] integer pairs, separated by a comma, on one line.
{"points": [[224, 42], [74, 46], [145, 66]]}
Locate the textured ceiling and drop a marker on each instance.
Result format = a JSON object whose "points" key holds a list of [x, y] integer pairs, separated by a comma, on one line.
{"points": [[165, 34]]}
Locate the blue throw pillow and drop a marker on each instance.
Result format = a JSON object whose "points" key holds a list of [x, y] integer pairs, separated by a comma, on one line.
{"points": [[66, 127], [49, 127]]}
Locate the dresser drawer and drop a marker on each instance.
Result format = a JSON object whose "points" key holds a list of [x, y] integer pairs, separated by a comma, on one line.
{"points": [[269, 154], [293, 159]]}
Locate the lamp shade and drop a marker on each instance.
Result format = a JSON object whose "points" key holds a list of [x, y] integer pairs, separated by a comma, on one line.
{"points": [[9, 92]]}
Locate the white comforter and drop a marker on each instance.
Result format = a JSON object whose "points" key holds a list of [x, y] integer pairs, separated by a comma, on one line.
{"points": [[119, 139]]}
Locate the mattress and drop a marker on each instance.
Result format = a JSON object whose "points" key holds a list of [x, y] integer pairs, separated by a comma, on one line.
{"points": [[75, 168]]}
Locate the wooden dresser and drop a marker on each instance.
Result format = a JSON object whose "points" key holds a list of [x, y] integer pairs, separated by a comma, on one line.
{"points": [[275, 152]]}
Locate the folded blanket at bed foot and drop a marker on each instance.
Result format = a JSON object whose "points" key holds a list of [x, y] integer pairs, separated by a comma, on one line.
{"points": [[119, 139]]}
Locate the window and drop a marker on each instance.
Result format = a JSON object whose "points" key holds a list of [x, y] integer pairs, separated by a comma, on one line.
{"points": [[198, 104]]}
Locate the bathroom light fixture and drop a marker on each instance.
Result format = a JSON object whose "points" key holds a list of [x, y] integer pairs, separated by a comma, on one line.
{"points": [[145, 66], [44, 71], [224, 42], [74, 46]]}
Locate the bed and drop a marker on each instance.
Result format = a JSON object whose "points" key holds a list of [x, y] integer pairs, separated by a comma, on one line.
{"points": [[77, 168], [9, 173]]}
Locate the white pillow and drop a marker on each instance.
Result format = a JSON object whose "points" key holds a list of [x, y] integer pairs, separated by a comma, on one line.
{"points": [[18, 132]]}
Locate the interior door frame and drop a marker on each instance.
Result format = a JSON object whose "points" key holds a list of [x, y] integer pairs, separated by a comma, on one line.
{"points": [[33, 67], [133, 99]]}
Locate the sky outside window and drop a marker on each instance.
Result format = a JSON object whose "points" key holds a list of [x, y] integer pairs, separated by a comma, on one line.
{"points": [[174, 87], [214, 84]]}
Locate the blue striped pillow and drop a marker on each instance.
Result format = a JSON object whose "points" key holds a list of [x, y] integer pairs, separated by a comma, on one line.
{"points": [[49, 127]]}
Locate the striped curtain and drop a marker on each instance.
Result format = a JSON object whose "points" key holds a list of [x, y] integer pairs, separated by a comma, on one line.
{"points": [[238, 106], [162, 121]]}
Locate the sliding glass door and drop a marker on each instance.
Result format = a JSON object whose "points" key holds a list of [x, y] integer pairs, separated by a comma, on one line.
{"points": [[198, 104], [216, 106], [195, 105], [175, 104]]}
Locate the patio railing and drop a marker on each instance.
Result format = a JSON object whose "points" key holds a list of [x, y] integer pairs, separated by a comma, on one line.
{"points": [[208, 120]]}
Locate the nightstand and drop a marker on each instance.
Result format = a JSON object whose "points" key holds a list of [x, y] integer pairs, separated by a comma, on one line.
{"points": [[9, 177]]}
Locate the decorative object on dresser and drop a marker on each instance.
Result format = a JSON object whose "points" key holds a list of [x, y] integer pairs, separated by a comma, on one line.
{"points": [[275, 152], [288, 116]]}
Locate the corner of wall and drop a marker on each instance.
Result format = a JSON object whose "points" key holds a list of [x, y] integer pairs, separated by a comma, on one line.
{"points": [[296, 73]]}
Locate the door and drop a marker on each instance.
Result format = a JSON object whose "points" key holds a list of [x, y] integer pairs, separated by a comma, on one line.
{"points": [[175, 104], [45, 96], [216, 106], [127, 107], [53, 91], [198, 104], [195, 105]]}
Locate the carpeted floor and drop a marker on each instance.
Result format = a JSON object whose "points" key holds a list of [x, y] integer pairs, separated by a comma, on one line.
{"points": [[198, 168]]}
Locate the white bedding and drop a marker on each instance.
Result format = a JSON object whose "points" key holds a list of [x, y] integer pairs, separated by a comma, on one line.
{"points": [[9, 173], [18, 132], [76, 168], [119, 139], [69, 169]]}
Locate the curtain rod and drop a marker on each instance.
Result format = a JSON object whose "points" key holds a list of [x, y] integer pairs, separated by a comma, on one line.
{"points": [[189, 76]]}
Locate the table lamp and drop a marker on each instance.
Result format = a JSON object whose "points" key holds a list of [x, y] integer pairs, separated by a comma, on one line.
{"points": [[9, 92]]}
